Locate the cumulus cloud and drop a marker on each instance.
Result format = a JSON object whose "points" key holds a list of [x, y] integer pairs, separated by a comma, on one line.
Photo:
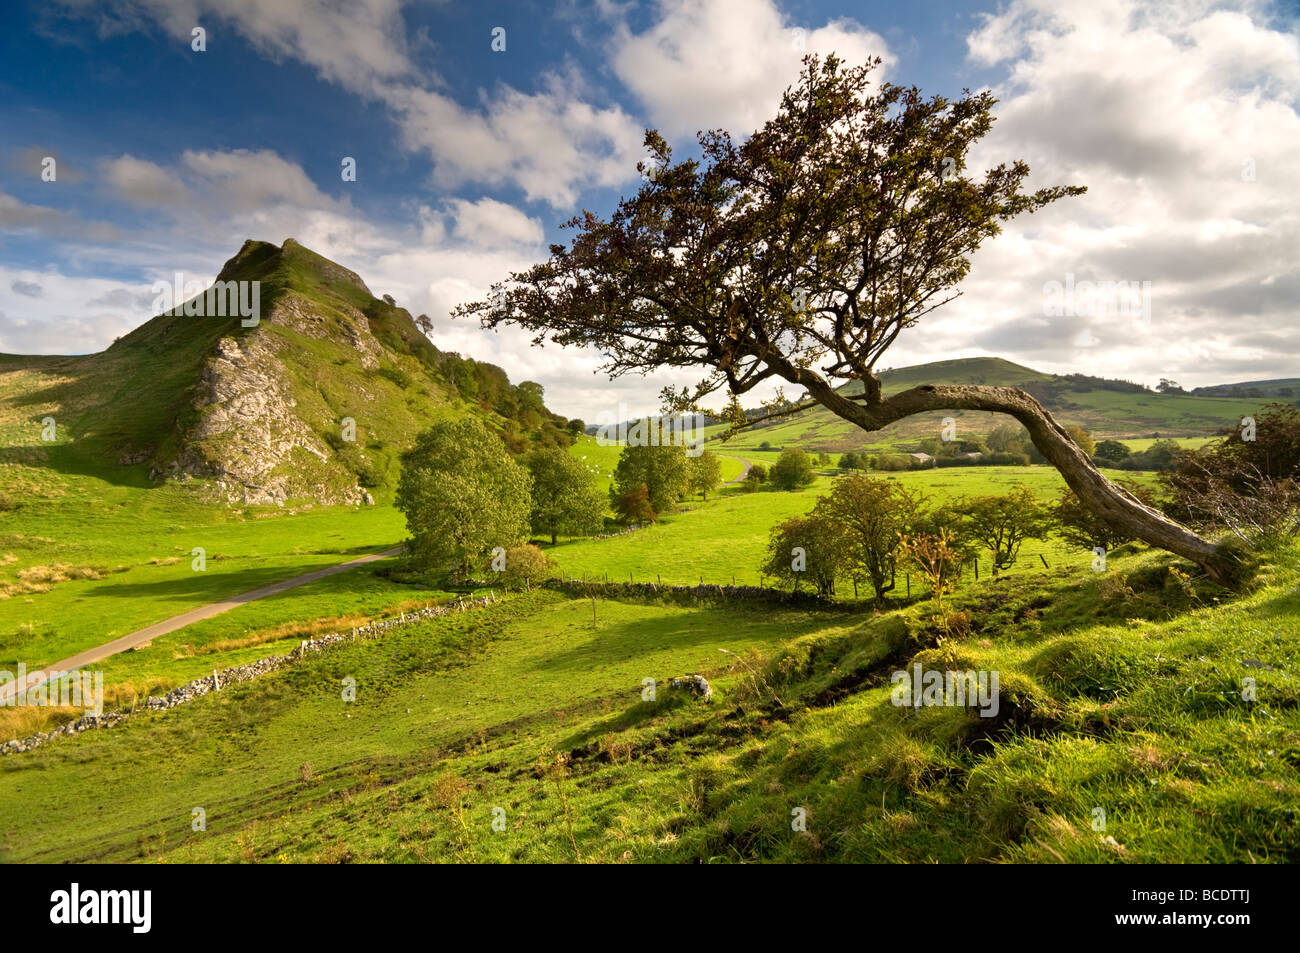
{"points": [[1182, 120], [552, 143], [708, 64]]}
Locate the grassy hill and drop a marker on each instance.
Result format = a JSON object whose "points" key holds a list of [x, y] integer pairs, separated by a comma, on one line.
{"points": [[257, 414], [1074, 400], [1285, 388]]}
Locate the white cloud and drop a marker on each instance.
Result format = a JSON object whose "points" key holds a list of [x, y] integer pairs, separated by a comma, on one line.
{"points": [[552, 144], [145, 184], [487, 222], [355, 44], [709, 64], [66, 319], [1158, 109]]}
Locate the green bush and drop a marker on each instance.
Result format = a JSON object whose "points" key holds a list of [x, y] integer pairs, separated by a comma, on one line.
{"points": [[793, 470]]}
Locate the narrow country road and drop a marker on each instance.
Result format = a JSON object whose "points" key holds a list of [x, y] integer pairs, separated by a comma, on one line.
{"points": [[743, 473], [141, 636]]}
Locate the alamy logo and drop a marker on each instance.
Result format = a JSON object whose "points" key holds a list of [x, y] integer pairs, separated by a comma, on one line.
{"points": [[221, 299], [83, 690], [684, 430], [964, 689], [134, 907], [1097, 299]]}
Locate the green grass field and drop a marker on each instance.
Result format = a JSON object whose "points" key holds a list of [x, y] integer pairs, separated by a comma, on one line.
{"points": [[1118, 691], [717, 542]]}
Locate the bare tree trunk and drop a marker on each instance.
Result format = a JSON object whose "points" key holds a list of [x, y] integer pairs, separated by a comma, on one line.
{"points": [[1112, 503]]}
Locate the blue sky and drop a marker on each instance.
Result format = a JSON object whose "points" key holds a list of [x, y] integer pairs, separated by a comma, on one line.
{"points": [[469, 158]]}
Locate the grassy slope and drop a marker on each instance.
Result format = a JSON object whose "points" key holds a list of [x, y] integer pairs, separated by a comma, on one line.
{"points": [[1118, 692], [1103, 413]]}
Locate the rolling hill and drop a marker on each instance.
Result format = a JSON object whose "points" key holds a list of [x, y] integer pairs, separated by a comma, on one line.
{"points": [[1107, 409], [259, 414]]}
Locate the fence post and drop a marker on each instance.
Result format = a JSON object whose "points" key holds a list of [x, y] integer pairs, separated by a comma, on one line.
{"points": [[977, 569], [908, 577]]}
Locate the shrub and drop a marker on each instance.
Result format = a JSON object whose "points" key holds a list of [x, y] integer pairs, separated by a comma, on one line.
{"points": [[793, 470], [634, 506], [525, 566]]}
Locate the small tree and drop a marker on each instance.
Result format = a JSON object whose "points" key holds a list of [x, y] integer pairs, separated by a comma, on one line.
{"points": [[565, 497], [462, 495], [872, 515], [809, 548], [793, 470], [1080, 526], [705, 472], [1083, 439], [525, 566], [758, 472], [634, 506], [661, 470], [1000, 524], [1111, 450]]}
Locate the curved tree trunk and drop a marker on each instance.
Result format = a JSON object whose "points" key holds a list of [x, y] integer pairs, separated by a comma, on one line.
{"points": [[1112, 503]]}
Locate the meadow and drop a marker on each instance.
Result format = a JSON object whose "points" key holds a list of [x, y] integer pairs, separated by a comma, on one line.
{"points": [[1119, 691]]}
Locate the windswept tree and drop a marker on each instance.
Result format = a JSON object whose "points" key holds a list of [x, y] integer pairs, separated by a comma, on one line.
{"points": [[800, 255], [1080, 526]]}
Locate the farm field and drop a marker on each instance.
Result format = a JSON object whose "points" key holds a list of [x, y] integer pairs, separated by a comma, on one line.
{"points": [[720, 541]]}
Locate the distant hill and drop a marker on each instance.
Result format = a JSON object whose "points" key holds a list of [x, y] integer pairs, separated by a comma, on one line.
{"points": [[258, 414], [1106, 408], [1285, 388]]}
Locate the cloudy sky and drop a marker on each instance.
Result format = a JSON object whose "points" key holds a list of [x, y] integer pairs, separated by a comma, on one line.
{"points": [[1180, 117]]}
